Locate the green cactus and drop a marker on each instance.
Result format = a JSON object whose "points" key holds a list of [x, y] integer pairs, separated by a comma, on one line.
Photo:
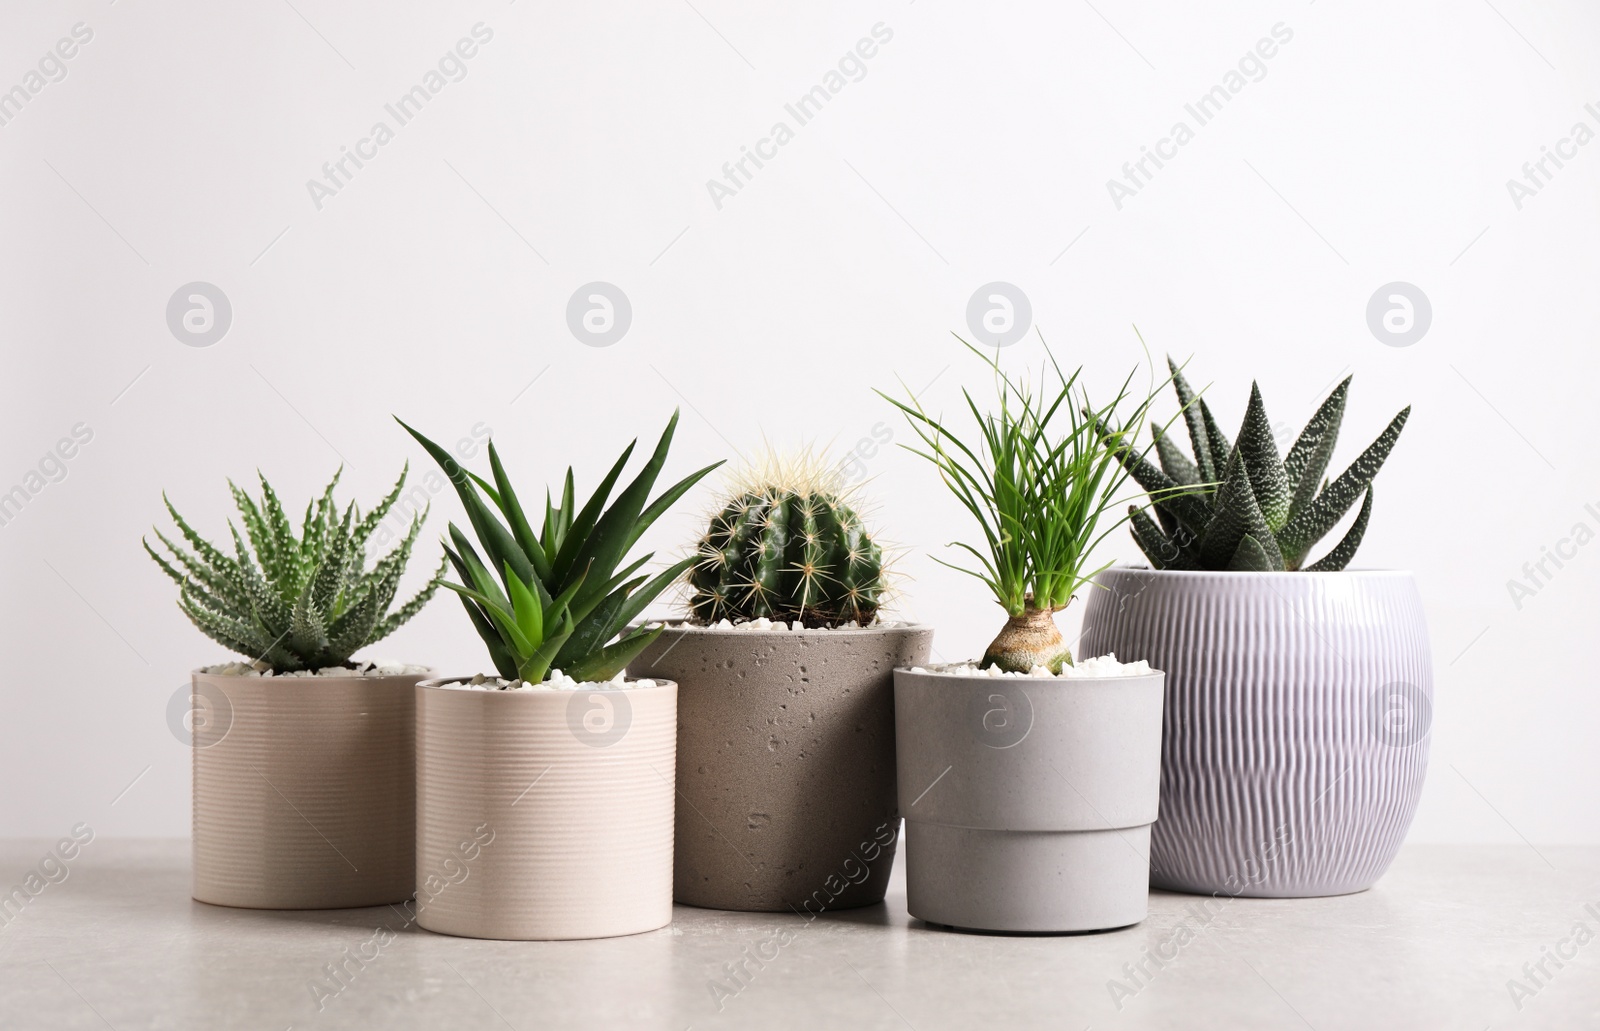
{"points": [[1243, 508], [787, 553]]}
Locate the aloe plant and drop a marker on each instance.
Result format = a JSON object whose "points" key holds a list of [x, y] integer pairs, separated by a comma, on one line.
{"points": [[555, 598], [1038, 479], [1241, 507], [293, 602]]}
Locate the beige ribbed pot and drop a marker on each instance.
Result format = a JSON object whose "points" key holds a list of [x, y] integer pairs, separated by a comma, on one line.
{"points": [[303, 790], [544, 814]]}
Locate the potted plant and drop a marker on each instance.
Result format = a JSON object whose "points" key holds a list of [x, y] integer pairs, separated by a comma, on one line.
{"points": [[785, 701], [556, 775], [303, 794], [1029, 783], [1298, 692]]}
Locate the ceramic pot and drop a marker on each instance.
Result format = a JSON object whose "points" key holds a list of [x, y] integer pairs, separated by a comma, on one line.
{"points": [[544, 814], [1028, 800], [304, 794], [1298, 712], [786, 774]]}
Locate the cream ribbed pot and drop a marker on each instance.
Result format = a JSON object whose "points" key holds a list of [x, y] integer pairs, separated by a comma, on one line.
{"points": [[545, 814], [303, 790]]}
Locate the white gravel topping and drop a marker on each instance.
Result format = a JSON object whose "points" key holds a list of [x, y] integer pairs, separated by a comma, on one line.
{"points": [[763, 623], [557, 681], [365, 669], [1099, 666]]}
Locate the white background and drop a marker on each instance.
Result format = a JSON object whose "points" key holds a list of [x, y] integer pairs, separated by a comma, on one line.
{"points": [[976, 148]]}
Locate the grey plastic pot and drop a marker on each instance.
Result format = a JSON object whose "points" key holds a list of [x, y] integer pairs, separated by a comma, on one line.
{"points": [[1028, 800], [304, 794], [1298, 713], [544, 814], [786, 774]]}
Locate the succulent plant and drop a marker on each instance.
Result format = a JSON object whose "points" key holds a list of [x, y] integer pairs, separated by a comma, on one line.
{"points": [[1241, 507], [305, 602], [555, 599], [787, 546], [1038, 481]]}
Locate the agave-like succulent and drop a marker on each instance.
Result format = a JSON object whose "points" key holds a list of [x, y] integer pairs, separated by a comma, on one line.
{"points": [[1243, 508], [305, 602], [555, 599]]}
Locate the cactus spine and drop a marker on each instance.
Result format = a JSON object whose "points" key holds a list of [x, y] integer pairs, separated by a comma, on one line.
{"points": [[787, 553]]}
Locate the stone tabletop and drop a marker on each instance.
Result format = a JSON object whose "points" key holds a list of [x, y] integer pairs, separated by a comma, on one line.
{"points": [[1467, 937]]}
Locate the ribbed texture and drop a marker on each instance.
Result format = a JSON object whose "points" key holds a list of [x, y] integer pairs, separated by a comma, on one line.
{"points": [[1295, 741], [576, 838], [307, 801]]}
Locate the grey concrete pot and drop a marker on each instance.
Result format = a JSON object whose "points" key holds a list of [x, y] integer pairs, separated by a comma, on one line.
{"points": [[1298, 712], [544, 814], [786, 776], [1028, 800], [303, 790]]}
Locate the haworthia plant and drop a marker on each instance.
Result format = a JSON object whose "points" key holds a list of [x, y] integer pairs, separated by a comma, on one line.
{"points": [[293, 602], [555, 599], [1241, 507]]}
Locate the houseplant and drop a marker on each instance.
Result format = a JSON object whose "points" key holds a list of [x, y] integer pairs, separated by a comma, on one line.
{"points": [[785, 703], [1298, 692], [303, 794], [560, 762], [1029, 783]]}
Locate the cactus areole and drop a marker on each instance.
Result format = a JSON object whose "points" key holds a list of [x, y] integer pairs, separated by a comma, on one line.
{"points": [[789, 553]]}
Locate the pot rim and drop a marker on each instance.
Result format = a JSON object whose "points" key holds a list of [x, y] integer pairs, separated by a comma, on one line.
{"points": [[1051, 681], [437, 684], [1235, 574], [688, 627], [277, 677]]}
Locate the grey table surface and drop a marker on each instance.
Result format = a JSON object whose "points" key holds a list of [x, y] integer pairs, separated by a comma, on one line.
{"points": [[1441, 942]]}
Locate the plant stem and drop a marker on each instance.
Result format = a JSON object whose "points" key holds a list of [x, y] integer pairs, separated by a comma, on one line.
{"points": [[1028, 640]]}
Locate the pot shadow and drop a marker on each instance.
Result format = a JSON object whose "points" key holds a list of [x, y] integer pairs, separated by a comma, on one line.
{"points": [[925, 925], [393, 916]]}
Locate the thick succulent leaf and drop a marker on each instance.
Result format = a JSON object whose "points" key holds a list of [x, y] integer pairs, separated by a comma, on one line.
{"points": [[1199, 439], [504, 663], [1160, 549], [284, 545], [255, 526], [517, 642], [1187, 506], [370, 521], [613, 658], [308, 631], [234, 636], [613, 533], [1319, 517], [1308, 458], [1220, 448], [399, 617], [1251, 557], [1260, 451], [1237, 514], [1174, 462], [1345, 550], [640, 598], [492, 534], [525, 608], [668, 498], [506, 498], [583, 523]]}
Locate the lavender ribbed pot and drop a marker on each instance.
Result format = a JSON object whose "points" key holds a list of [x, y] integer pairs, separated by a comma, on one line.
{"points": [[1298, 706]]}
